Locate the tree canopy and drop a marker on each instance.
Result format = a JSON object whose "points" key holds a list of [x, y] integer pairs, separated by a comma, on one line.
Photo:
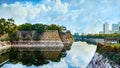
{"points": [[26, 26], [7, 26], [39, 27], [54, 27]]}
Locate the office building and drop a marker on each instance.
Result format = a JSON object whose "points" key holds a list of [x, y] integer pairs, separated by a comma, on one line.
{"points": [[106, 28], [116, 28]]}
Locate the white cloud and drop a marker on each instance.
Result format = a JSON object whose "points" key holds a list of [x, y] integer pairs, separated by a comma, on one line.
{"points": [[77, 15], [19, 12]]}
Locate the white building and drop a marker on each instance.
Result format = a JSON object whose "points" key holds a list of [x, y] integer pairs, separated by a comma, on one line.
{"points": [[106, 28]]}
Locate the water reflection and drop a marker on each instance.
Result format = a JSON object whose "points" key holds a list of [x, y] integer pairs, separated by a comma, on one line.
{"points": [[4, 58], [78, 56], [34, 58], [29, 58]]}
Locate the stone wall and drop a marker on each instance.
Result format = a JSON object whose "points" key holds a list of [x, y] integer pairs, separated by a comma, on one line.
{"points": [[51, 35], [56, 40], [4, 48], [33, 35], [4, 37], [99, 61], [67, 40], [38, 46]]}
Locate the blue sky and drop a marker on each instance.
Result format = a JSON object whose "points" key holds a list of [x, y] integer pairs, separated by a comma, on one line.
{"points": [[77, 15]]}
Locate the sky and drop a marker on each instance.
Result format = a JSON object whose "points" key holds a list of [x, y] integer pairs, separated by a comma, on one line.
{"points": [[82, 16]]}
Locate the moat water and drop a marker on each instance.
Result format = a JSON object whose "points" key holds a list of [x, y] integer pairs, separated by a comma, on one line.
{"points": [[79, 56]]}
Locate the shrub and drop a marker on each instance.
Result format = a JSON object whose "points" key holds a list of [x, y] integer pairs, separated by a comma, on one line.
{"points": [[10, 39], [17, 38], [27, 38], [2, 40]]}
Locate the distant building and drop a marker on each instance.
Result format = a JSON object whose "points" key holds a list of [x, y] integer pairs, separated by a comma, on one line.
{"points": [[106, 28], [76, 34], [64, 29], [101, 32], [115, 28]]}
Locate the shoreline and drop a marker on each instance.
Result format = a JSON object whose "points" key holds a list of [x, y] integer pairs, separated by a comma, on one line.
{"points": [[43, 45], [99, 61], [105, 57]]}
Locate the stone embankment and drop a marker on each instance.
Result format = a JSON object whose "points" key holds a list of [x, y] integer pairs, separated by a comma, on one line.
{"points": [[38, 46], [99, 61], [105, 57], [67, 40], [4, 47], [47, 41]]}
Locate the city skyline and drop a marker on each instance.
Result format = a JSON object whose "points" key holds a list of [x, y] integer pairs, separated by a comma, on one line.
{"points": [[82, 16], [115, 28]]}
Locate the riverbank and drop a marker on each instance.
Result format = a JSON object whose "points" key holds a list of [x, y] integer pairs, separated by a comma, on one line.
{"points": [[43, 45], [4, 47], [48, 40], [106, 56], [99, 61]]}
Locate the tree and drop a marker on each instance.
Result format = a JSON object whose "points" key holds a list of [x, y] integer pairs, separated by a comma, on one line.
{"points": [[7, 26], [38, 27], [27, 38], [17, 38], [26, 26], [54, 27], [68, 31]]}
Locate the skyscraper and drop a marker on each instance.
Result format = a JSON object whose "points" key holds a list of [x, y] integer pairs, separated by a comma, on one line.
{"points": [[106, 28], [115, 27]]}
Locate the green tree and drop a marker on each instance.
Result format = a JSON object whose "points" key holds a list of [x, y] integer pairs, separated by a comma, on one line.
{"points": [[17, 38], [26, 26], [38, 27], [68, 31], [54, 27], [7, 26], [27, 38]]}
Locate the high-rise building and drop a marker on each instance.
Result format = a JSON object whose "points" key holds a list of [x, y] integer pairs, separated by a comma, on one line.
{"points": [[101, 32], [106, 28], [116, 28]]}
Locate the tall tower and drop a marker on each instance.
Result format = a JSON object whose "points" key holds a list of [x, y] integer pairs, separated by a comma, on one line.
{"points": [[106, 28]]}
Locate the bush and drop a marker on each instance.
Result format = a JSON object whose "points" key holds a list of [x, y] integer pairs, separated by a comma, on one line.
{"points": [[27, 38], [17, 38], [10, 39], [2, 40]]}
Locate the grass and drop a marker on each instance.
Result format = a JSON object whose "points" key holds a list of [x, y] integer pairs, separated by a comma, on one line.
{"points": [[111, 51], [115, 45]]}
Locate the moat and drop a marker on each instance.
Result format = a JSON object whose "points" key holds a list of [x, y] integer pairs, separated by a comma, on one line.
{"points": [[76, 56]]}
